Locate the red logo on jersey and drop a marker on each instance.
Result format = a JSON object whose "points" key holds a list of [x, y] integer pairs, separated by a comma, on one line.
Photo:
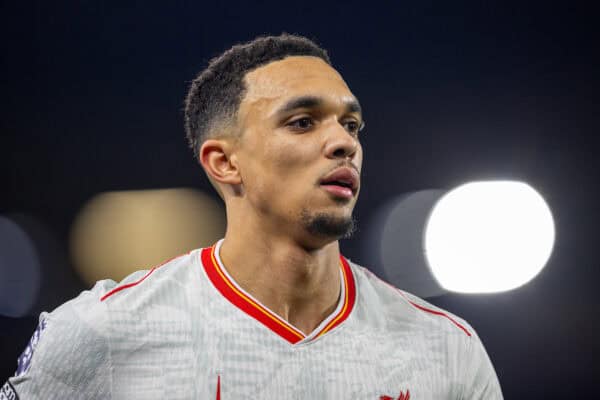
{"points": [[402, 396]]}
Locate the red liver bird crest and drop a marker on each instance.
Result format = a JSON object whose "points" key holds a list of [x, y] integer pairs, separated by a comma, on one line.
{"points": [[402, 396]]}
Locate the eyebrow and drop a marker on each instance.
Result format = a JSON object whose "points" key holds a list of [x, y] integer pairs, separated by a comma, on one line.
{"points": [[352, 106]]}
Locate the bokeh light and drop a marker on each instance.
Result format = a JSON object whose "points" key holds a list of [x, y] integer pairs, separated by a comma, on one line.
{"points": [[489, 236], [397, 242], [117, 233], [19, 270]]}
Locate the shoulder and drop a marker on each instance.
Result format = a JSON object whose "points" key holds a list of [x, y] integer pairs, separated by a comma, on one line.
{"points": [[401, 313], [153, 283], [89, 305], [397, 306], [71, 350], [68, 353]]}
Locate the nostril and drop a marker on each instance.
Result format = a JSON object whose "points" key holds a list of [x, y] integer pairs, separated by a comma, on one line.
{"points": [[339, 153]]}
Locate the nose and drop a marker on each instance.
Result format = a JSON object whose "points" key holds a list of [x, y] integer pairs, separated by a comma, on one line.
{"points": [[340, 143]]}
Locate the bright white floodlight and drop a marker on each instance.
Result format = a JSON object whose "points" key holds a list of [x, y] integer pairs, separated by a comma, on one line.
{"points": [[487, 237]]}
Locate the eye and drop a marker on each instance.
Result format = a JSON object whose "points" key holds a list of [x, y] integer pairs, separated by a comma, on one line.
{"points": [[301, 124], [353, 126]]}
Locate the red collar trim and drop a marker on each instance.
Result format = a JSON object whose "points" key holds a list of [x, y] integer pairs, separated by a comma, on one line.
{"points": [[246, 303], [350, 298]]}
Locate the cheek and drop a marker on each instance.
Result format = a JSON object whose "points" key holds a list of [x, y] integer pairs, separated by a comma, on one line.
{"points": [[265, 168], [279, 163], [289, 173], [290, 159]]}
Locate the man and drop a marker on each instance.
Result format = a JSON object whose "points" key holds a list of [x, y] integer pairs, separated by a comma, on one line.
{"points": [[273, 310]]}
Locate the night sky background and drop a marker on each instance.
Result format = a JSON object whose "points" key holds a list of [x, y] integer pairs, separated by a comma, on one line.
{"points": [[92, 98]]}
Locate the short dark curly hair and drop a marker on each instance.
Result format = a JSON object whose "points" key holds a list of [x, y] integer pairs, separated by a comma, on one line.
{"points": [[215, 95]]}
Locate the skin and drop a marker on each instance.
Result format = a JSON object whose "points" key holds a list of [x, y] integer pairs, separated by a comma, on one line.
{"points": [[269, 177]]}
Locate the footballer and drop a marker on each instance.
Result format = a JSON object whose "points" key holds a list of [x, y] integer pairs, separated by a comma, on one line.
{"points": [[272, 310]]}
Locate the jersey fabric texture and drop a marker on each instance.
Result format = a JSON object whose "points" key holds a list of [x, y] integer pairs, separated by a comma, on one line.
{"points": [[186, 330]]}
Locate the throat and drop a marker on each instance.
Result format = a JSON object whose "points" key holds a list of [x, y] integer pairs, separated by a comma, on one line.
{"points": [[301, 288]]}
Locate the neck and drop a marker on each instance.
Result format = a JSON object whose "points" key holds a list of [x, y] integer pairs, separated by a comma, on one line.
{"points": [[300, 285]]}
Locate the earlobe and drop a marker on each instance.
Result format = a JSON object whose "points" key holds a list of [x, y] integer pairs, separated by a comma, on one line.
{"points": [[216, 159]]}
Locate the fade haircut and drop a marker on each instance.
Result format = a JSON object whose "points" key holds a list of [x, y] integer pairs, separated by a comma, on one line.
{"points": [[215, 95]]}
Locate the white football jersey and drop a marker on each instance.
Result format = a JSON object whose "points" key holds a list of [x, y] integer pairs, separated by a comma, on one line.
{"points": [[187, 330]]}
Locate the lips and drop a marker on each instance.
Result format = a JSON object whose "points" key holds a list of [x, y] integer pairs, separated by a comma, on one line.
{"points": [[342, 182]]}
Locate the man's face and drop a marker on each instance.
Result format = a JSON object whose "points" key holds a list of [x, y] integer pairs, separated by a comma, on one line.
{"points": [[299, 153]]}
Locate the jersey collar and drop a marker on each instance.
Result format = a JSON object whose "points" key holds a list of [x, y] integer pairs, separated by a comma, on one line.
{"points": [[243, 300]]}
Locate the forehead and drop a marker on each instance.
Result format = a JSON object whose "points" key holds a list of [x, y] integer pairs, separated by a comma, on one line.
{"points": [[294, 76]]}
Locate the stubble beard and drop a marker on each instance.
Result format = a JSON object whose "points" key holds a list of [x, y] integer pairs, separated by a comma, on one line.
{"points": [[328, 225]]}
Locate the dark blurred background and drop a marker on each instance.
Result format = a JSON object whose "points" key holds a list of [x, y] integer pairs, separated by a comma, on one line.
{"points": [[92, 96]]}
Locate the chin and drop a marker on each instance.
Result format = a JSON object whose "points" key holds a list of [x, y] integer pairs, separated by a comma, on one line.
{"points": [[328, 224]]}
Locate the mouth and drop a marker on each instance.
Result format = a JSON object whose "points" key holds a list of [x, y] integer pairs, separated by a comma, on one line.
{"points": [[342, 182]]}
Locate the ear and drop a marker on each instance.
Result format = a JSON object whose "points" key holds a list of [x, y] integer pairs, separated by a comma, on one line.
{"points": [[215, 158]]}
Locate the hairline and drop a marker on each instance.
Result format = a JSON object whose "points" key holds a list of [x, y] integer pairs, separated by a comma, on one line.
{"points": [[230, 122]]}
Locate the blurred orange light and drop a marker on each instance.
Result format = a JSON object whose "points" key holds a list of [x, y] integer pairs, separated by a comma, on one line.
{"points": [[117, 233]]}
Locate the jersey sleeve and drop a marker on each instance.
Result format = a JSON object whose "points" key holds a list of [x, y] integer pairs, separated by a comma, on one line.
{"points": [[480, 380], [69, 354]]}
